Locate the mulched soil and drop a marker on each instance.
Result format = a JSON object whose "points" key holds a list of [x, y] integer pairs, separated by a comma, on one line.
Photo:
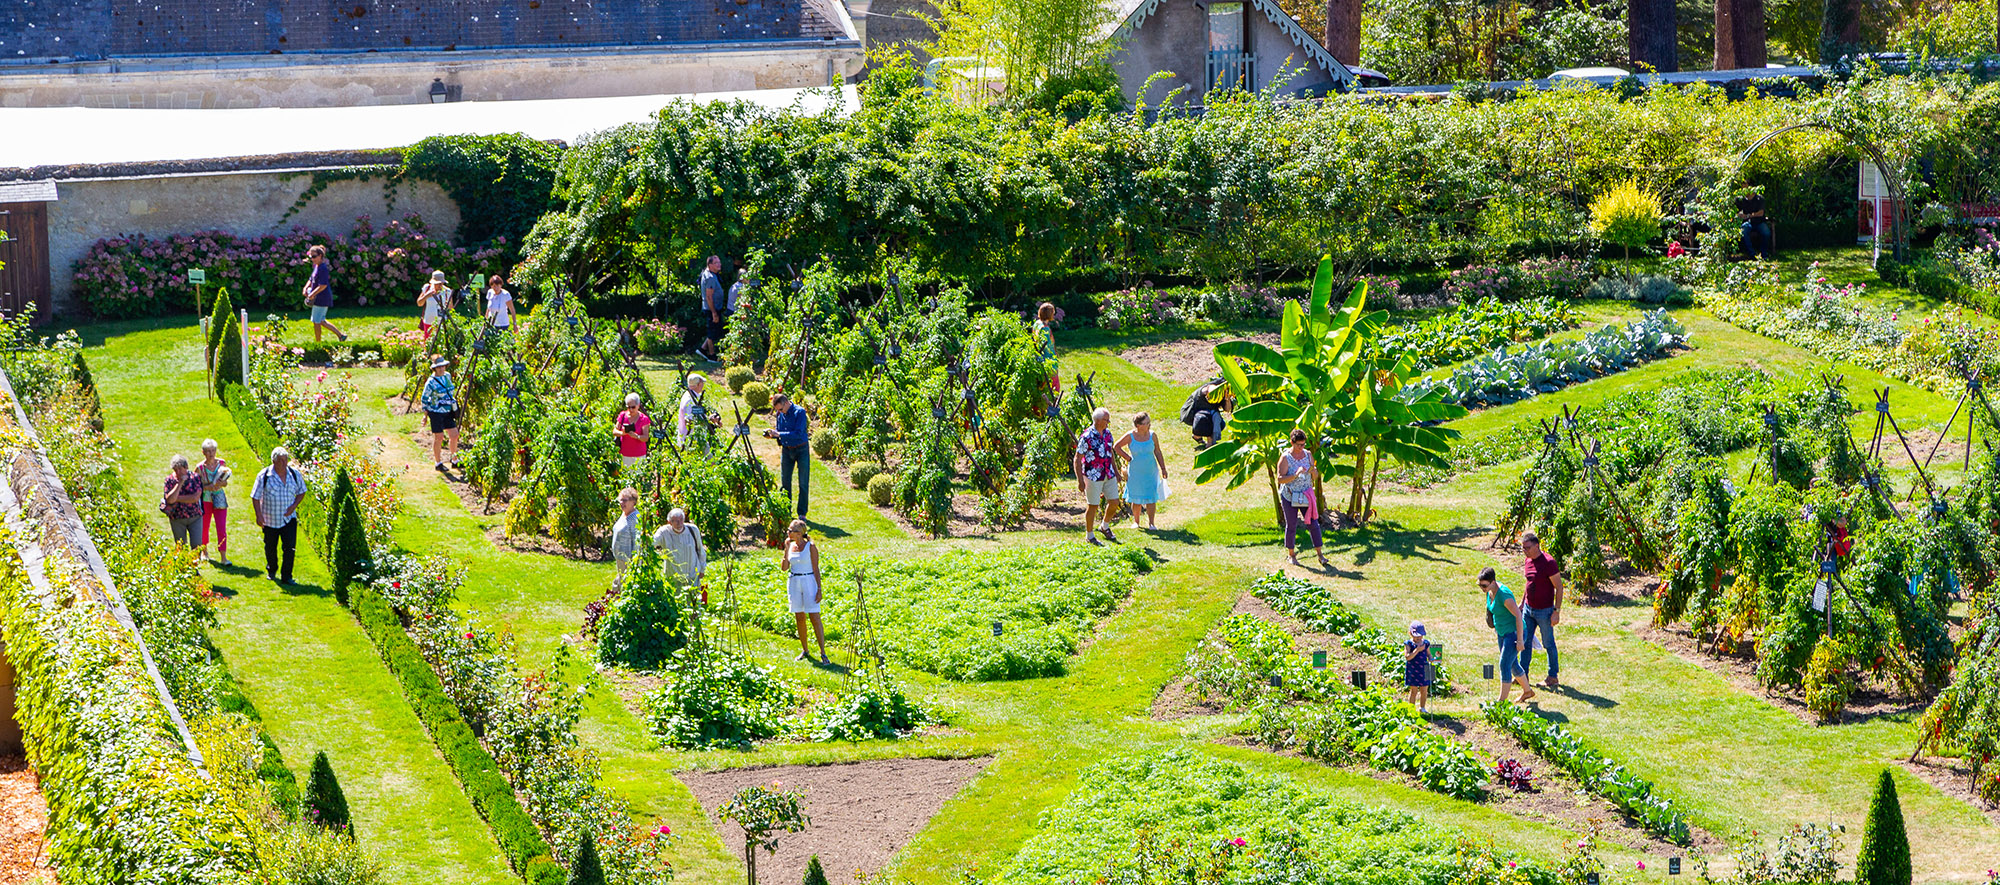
{"points": [[1188, 361], [1951, 451], [1869, 700], [23, 818], [862, 813], [1062, 511], [1952, 778]]}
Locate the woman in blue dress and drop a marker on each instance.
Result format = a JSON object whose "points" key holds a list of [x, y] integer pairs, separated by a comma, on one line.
{"points": [[1146, 480]]}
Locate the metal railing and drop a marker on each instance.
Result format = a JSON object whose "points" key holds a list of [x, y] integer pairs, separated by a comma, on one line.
{"points": [[1231, 69]]}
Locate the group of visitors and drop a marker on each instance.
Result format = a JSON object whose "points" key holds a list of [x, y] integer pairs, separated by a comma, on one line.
{"points": [[1519, 624], [195, 501], [437, 298], [1100, 466], [718, 304]]}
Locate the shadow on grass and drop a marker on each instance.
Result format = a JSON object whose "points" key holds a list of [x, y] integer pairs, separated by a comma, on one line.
{"points": [[828, 532], [1385, 536]]}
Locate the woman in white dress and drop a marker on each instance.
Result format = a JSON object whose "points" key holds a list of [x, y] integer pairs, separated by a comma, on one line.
{"points": [[802, 566]]}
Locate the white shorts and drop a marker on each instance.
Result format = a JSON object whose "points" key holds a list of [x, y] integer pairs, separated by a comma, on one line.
{"points": [[802, 589], [630, 460], [1098, 492]]}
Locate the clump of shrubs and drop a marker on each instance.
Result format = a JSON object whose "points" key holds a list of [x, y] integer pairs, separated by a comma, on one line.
{"points": [[1644, 289], [881, 489], [756, 395], [737, 377], [825, 443], [862, 472]]}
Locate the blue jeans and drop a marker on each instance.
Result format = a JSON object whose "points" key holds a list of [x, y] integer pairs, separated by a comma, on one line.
{"points": [[1540, 618], [1510, 663], [799, 457]]}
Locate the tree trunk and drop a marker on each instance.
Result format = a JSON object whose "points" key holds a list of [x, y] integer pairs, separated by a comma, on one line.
{"points": [[1374, 476], [750, 859], [1343, 30], [1360, 468], [1277, 504], [1839, 30], [1650, 35], [1739, 34]]}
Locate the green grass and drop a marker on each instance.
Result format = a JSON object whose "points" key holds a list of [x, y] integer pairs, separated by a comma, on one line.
{"points": [[1739, 763]]}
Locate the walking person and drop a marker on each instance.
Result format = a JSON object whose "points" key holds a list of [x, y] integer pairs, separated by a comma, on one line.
{"points": [[1503, 612], [275, 497], [1417, 667], [1146, 481], [803, 585], [714, 301], [1097, 474], [625, 534], [794, 446], [1045, 348], [215, 477], [1296, 477], [435, 299], [318, 292], [679, 542], [180, 500], [634, 429], [499, 303], [440, 401], [692, 412], [1545, 606]]}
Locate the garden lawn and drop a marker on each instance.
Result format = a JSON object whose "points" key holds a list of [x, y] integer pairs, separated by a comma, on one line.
{"points": [[298, 655]]}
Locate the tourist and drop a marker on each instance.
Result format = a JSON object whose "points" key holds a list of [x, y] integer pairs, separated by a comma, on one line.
{"points": [[435, 299], [181, 501], [1203, 412], [679, 542], [440, 401], [1146, 481], [625, 534], [1503, 613], [1417, 667], [319, 292], [803, 586], [1544, 605], [1756, 225], [1097, 474], [499, 303], [633, 429], [794, 449], [1045, 347], [693, 413], [714, 301], [275, 497], [1296, 477], [215, 475]]}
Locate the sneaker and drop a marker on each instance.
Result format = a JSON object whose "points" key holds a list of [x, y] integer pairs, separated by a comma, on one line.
{"points": [[272, 575], [440, 466], [803, 657], [225, 560], [1092, 540], [340, 335], [1108, 536]]}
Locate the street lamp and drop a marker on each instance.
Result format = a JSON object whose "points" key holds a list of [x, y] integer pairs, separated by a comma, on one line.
{"points": [[438, 92]]}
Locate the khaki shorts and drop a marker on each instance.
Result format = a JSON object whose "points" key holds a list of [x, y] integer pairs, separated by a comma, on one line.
{"points": [[1099, 492]]}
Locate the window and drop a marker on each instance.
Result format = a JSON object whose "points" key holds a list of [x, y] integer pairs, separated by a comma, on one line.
{"points": [[1228, 56]]}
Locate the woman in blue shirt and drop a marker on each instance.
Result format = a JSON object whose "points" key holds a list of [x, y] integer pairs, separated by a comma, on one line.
{"points": [[440, 399]]}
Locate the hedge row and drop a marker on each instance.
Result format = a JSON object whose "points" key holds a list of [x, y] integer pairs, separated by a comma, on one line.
{"points": [[477, 773]]}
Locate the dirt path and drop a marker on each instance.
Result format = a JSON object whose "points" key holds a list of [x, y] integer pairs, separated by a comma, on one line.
{"points": [[23, 818]]}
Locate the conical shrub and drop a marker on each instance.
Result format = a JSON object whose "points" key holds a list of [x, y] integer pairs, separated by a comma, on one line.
{"points": [[815, 874], [223, 314], [324, 804], [228, 359], [587, 870], [1885, 847], [347, 538]]}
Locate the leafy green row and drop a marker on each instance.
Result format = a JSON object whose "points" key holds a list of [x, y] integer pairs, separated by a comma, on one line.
{"points": [[1505, 376], [1387, 732], [1476, 328], [937, 614], [1315, 606], [1599, 774]]}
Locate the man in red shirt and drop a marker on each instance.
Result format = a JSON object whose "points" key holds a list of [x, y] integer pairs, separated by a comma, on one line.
{"points": [[1544, 603]]}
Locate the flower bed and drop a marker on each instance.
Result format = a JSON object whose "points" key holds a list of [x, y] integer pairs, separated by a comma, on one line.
{"points": [[137, 276], [1635, 796]]}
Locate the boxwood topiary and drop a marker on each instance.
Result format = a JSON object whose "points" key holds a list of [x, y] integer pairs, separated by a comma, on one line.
{"points": [[1885, 847], [737, 377], [881, 489], [756, 395], [826, 444], [862, 472]]}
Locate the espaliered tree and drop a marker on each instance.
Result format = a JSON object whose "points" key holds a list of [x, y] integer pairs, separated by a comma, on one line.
{"points": [[1326, 379], [324, 804]]}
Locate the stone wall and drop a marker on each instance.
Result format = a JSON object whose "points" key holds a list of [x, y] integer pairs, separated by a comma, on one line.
{"points": [[246, 204], [405, 78]]}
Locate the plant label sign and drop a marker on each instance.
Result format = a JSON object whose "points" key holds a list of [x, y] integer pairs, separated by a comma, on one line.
{"points": [[1319, 659], [197, 275], [1489, 671], [1359, 678], [1820, 592], [1673, 866]]}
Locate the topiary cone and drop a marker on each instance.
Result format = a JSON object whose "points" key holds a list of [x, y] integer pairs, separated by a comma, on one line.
{"points": [[347, 538], [324, 804], [223, 314], [1885, 847], [228, 359], [815, 874], [588, 869]]}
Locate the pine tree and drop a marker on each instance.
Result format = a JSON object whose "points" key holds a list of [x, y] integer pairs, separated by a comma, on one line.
{"points": [[224, 314], [587, 870], [815, 874], [346, 537], [324, 804], [1885, 848], [228, 359]]}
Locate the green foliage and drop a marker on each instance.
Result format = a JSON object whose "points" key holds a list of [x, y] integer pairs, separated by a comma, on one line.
{"points": [[1885, 848], [1598, 773], [1315, 606], [224, 314], [757, 396], [324, 803], [228, 359], [937, 614], [1473, 329], [815, 874], [572, 458], [503, 183], [862, 473], [737, 377], [642, 627], [347, 555], [717, 698], [870, 706], [586, 869], [882, 489], [1375, 726], [1044, 48], [1828, 684]]}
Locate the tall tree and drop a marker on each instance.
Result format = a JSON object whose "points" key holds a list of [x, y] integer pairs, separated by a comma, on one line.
{"points": [[1839, 30], [1343, 30], [1739, 34], [1650, 35], [1029, 41]]}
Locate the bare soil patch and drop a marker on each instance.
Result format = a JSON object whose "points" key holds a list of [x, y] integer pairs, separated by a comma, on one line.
{"points": [[1188, 361], [1178, 700], [1870, 699], [24, 816], [862, 813], [1953, 778], [1924, 442]]}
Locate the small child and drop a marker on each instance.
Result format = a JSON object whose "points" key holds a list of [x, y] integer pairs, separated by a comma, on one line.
{"points": [[1417, 667]]}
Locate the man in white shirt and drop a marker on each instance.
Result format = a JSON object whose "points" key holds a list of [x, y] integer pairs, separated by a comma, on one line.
{"points": [[275, 497], [692, 412], [680, 545]]}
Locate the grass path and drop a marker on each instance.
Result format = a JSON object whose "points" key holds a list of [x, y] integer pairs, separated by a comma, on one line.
{"points": [[298, 655]]}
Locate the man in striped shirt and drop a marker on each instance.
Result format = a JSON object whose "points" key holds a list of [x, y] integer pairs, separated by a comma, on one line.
{"points": [[275, 498]]}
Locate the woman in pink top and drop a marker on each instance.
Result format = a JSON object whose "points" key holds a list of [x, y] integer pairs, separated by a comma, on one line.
{"points": [[633, 426]]}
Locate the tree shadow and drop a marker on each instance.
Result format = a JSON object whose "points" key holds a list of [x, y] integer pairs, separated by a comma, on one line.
{"points": [[1393, 538]]}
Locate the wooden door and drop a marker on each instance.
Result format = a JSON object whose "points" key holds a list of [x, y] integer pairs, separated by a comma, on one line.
{"points": [[25, 251]]}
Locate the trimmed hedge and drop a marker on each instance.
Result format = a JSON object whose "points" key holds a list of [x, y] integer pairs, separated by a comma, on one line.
{"points": [[478, 775], [272, 770]]}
